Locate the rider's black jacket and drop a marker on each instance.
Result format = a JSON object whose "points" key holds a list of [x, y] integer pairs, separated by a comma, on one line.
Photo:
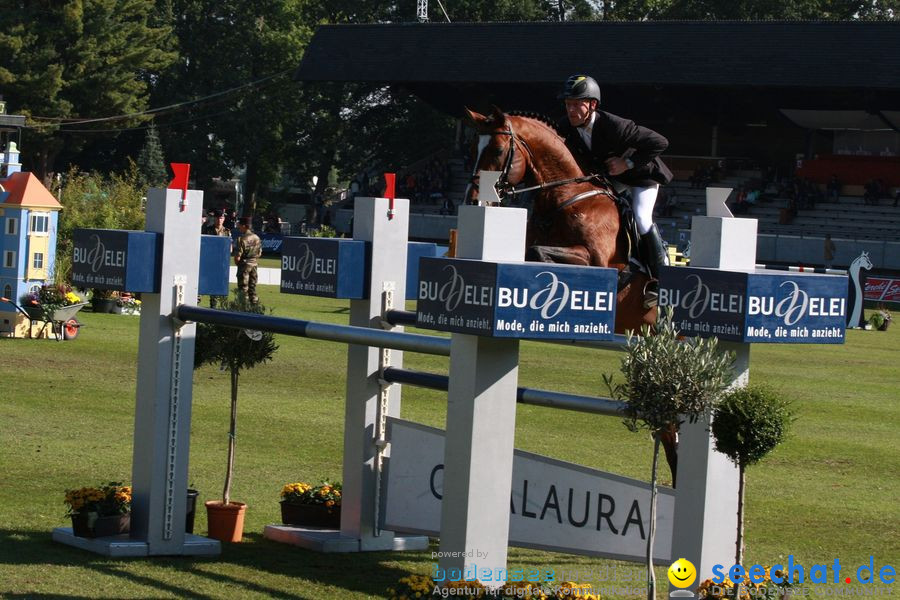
{"points": [[614, 136]]}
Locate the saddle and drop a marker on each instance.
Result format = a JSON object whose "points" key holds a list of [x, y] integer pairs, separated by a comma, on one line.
{"points": [[627, 226]]}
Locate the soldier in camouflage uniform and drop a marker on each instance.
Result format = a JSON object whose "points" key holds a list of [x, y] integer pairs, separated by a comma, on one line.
{"points": [[217, 227], [246, 257]]}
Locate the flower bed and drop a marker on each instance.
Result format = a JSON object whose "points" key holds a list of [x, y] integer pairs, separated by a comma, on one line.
{"points": [[99, 511], [307, 505], [43, 304]]}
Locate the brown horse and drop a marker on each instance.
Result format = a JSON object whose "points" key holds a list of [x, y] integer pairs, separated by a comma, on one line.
{"points": [[574, 219]]}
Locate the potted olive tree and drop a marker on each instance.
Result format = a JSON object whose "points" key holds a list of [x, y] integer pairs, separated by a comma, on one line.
{"points": [[747, 424], [667, 381], [235, 349]]}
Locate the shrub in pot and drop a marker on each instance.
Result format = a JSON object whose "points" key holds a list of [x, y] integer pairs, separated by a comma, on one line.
{"points": [[234, 349]]}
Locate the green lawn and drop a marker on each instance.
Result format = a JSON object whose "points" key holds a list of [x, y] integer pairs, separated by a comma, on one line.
{"points": [[66, 419]]}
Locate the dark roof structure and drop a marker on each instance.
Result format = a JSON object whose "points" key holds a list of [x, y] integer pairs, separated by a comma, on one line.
{"points": [[836, 54], [712, 78]]}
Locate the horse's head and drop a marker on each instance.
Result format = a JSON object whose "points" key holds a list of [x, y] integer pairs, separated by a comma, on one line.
{"points": [[499, 149], [864, 261]]}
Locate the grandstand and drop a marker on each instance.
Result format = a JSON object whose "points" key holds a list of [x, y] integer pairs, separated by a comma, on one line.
{"points": [[854, 226]]}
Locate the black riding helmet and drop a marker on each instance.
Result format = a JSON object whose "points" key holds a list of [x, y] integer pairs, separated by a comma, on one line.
{"points": [[580, 87]]}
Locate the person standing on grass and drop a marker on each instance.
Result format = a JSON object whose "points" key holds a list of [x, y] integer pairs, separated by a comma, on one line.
{"points": [[246, 257], [217, 227]]}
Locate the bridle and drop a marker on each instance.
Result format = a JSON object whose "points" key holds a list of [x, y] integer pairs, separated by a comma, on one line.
{"points": [[505, 188]]}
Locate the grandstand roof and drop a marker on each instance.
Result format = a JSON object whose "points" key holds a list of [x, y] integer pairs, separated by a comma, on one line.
{"points": [[820, 54]]}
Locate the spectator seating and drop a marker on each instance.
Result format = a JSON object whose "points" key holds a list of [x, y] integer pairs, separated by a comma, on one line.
{"points": [[849, 217]]}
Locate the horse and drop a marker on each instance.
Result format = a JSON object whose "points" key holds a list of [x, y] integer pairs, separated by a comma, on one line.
{"points": [[574, 218]]}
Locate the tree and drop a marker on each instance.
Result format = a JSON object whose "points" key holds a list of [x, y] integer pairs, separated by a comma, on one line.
{"points": [[747, 424], [666, 381], [150, 162], [99, 202], [249, 51], [235, 349], [355, 127], [67, 66]]}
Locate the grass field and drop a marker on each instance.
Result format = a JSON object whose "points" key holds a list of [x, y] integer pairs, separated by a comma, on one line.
{"points": [[66, 419]]}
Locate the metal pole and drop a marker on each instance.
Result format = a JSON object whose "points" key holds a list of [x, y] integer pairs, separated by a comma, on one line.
{"points": [[348, 334], [524, 395]]}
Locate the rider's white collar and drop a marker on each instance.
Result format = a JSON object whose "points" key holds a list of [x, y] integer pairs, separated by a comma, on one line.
{"points": [[586, 130]]}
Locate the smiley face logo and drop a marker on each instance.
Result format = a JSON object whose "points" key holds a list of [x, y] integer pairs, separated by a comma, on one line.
{"points": [[682, 573]]}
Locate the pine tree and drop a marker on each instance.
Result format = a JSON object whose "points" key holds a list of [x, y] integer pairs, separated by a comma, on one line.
{"points": [[150, 162], [79, 59]]}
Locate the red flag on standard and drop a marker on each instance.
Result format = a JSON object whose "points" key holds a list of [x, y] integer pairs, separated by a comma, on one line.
{"points": [[182, 173]]}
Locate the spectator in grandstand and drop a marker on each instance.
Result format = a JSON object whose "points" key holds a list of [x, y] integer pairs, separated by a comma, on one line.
{"points": [[804, 193], [873, 191], [834, 188], [447, 206], [739, 206], [699, 178], [813, 194], [670, 204], [411, 186], [829, 251], [752, 199]]}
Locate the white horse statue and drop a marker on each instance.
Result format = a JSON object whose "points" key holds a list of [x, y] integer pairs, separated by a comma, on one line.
{"points": [[860, 262]]}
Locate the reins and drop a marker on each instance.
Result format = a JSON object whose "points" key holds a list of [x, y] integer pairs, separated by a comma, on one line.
{"points": [[552, 184], [505, 188]]}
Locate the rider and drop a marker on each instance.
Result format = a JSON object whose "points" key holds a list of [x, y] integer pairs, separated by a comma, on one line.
{"points": [[627, 154]]}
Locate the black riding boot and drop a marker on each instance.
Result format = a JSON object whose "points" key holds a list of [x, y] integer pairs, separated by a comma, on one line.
{"points": [[656, 255]]}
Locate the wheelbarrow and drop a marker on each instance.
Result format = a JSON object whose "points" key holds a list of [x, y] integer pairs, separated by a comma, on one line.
{"points": [[62, 321]]}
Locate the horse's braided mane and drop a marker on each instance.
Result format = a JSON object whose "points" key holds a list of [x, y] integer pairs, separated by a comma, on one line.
{"points": [[537, 117]]}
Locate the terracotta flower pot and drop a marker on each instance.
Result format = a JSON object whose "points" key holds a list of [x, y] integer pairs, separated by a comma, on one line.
{"points": [[89, 525], [225, 522], [311, 515]]}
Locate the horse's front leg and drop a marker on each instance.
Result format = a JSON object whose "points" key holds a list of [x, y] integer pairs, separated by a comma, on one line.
{"points": [[568, 255]]}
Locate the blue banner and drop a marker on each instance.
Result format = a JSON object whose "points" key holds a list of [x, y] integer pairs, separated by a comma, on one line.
{"points": [[113, 259], [762, 306], [516, 300], [328, 267]]}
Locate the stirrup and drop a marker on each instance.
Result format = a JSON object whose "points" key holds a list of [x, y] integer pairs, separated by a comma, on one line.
{"points": [[651, 294]]}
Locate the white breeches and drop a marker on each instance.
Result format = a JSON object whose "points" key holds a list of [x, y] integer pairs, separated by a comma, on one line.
{"points": [[642, 201]]}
